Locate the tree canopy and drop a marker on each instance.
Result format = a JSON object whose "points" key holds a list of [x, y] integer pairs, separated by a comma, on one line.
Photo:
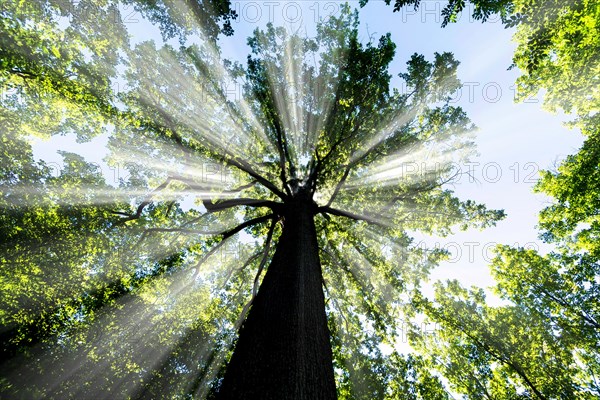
{"points": [[137, 287], [316, 111]]}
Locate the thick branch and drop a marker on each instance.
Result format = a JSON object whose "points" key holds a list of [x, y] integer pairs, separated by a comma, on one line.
{"points": [[245, 167], [225, 204], [247, 224], [227, 234], [264, 259], [283, 154]]}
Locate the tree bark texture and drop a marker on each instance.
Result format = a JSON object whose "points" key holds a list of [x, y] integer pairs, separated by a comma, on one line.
{"points": [[283, 351]]}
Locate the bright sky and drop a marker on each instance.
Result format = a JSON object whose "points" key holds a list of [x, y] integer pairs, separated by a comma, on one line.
{"points": [[515, 141]]}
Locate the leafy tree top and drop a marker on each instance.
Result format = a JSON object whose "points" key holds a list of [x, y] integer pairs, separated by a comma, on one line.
{"points": [[318, 123]]}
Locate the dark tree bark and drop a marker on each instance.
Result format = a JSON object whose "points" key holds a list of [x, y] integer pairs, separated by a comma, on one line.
{"points": [[283, 351]]}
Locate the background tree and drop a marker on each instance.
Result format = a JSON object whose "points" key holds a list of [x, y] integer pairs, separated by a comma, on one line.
{"points": [[544, 343], [305, 167], [482, 9], [485, 352], [557, 49]]}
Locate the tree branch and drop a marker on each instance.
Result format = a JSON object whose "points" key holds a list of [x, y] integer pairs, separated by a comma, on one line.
{"points": [[147, 200], [242, 187], [226, 235], [495, 353], [264, 259], [225, 204], [226, 157], [338, 187], [245, 167], [182, 230], [410, 194], [347, 214], [247, 224], [283, 153], [246, 263]]}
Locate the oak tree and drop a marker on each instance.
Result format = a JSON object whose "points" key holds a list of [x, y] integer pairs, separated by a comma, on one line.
{"points": [[304, 169]]}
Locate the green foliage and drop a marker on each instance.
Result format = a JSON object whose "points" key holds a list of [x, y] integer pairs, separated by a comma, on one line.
{"points": [[50, 76], [482, 9], [543, 342], [48, 247], [130, 287], [558, 50], [180, 19], [573, 188], [512, 351]]}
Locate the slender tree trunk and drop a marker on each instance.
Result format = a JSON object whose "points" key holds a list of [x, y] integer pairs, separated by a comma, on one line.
{"points": [[283, 351]]}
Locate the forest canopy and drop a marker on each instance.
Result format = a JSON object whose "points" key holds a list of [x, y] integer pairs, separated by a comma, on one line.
{"points": [[241, 232]]}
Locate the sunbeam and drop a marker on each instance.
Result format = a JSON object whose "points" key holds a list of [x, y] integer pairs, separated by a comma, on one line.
{"points": [[408, 167], [199, 268], [141, 331]]}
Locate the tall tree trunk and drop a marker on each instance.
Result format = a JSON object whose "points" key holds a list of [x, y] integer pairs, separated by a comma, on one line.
{"points": [[283, 351]]}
